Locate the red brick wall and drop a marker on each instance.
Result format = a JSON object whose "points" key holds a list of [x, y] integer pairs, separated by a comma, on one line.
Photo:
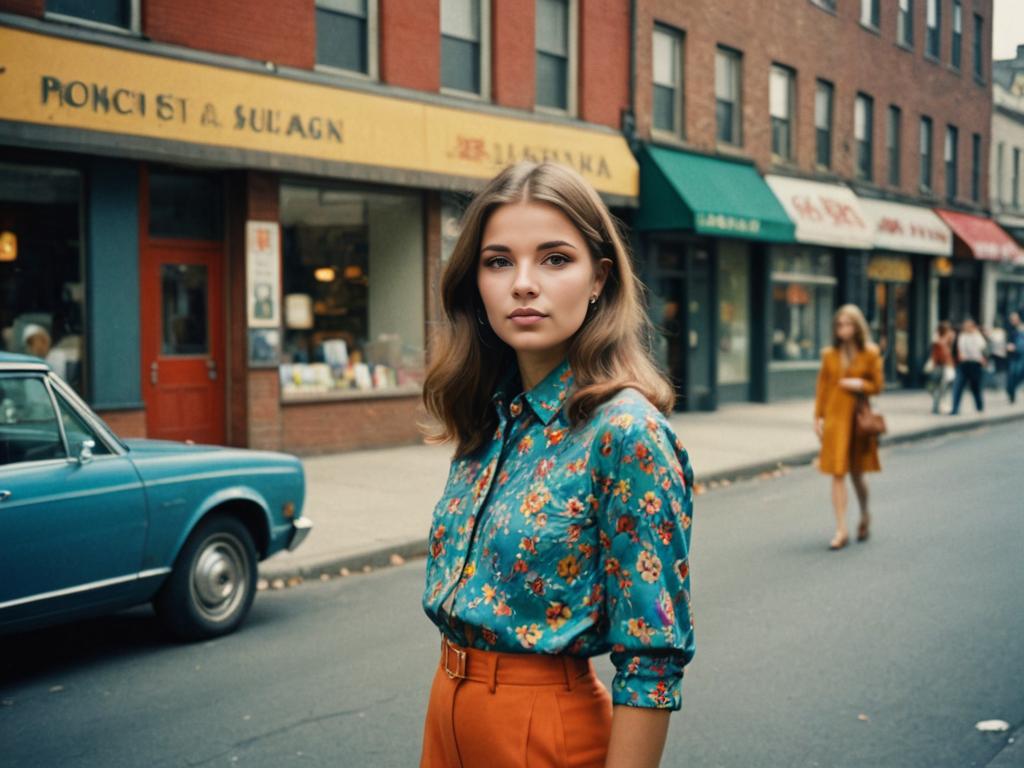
{"points": [[410, 43], [265, 30], [350, 425], [835, 47], [604, 60], [512, 52], [23, 7], [126, 423]]}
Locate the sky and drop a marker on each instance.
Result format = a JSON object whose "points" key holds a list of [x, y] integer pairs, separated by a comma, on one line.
{"points": [[1007, 28]]}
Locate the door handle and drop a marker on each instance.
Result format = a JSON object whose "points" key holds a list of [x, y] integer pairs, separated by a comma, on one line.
{"points": [[154, 372], [211, 370], [5, 495]]}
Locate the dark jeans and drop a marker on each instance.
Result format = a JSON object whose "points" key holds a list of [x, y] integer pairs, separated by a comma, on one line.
{"points": [[1014, 376], [968, 374]]}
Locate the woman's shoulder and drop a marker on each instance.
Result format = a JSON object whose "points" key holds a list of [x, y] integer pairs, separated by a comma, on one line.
{"points": [[628, 415]]}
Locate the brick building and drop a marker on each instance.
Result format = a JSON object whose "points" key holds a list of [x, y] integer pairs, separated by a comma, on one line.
{"points": [[230, 217], [868, 121]]}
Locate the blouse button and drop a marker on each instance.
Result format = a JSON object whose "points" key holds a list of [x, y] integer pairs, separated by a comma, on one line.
{"points": [[516, 408]]}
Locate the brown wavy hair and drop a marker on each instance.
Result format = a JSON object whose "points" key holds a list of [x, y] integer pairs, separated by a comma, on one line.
{"points": [[609, 352]]}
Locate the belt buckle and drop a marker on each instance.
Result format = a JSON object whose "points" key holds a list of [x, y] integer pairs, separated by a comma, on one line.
{"points": [[460, 660]]}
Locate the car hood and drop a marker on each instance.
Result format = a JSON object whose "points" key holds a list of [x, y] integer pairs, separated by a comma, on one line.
{"points": [[145, 447]]}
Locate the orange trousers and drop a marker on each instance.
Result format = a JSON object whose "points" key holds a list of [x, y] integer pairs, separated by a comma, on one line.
{"points": [[515, 710]]}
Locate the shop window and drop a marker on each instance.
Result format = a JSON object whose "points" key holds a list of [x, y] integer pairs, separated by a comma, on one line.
{"points": [[950, 156], [119, 14], [863, 132], [733, 313], [803, 300], [933, 28], [555, 59], [893, 131], [926, 154], [464, 38], [185, 205], [346, 35], [667, 56], [781, 88], [353, 283], [41, 275], [823, 95], [905, 23], [728, 106]]}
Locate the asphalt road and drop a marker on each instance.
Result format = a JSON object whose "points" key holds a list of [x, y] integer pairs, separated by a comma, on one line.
{"points": [[884, 654]]}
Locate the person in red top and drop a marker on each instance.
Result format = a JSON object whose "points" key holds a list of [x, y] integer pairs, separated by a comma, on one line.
{"points": [[941, 368]]}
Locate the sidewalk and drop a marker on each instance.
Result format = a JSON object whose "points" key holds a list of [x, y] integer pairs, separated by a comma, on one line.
{"points": [[369, 505]]}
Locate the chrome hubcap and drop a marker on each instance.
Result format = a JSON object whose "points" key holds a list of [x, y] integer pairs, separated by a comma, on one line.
{"points": [[220, 577]]}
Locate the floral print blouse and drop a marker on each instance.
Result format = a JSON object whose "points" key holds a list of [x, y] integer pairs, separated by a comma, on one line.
{"points": [[551, 540]]}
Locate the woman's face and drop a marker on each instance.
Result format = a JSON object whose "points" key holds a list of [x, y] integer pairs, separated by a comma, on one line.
{"points": [[845, 328], [536, 276]]}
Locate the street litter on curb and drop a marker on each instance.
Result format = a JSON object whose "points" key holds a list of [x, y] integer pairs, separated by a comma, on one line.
{"points": [[993, 726]]}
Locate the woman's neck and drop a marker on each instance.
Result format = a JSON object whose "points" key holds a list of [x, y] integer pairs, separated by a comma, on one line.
{"points": [[534, 365]]}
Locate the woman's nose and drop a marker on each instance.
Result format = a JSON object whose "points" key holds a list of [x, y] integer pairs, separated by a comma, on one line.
{"points": [[524, 283]]}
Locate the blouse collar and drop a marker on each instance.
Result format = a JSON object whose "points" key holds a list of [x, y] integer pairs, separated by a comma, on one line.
{"points": [[546, 398]]}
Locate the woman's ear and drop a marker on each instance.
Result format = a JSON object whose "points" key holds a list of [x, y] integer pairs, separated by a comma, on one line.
{"points": [[602, 269]]}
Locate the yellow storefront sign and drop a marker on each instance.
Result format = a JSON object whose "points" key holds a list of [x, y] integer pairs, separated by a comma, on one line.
{"points": [[51, 81]]}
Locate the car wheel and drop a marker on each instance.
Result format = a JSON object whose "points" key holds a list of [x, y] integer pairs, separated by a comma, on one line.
{"points": [[213, 583]]}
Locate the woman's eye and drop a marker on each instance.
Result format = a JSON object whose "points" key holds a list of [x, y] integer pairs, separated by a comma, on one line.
{"points": [[497, 261], [557, 260]]}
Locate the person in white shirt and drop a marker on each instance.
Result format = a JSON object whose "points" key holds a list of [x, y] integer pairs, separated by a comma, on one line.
{"points": [[971, 348]]}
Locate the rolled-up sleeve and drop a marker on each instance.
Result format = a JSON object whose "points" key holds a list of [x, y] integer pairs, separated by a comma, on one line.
{"points": [[645, 488]]}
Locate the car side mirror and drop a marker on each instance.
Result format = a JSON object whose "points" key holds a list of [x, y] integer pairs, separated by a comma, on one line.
{"points": [[85, 452]]}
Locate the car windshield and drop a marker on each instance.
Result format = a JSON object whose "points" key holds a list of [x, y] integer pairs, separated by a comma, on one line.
{"points": [[72, 397]]}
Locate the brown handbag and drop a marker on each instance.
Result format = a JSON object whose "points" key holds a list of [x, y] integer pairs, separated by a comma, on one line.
{"points": [[866, 422]]}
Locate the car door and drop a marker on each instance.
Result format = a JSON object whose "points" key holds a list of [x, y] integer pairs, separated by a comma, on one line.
{"points": [[72, 525]]}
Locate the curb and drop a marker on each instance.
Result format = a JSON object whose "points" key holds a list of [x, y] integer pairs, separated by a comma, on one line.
{"points": [[381, 557]]}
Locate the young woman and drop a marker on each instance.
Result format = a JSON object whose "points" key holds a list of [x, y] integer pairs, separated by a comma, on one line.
{"points": [[943, 369], [564, 529], [850, 368]]}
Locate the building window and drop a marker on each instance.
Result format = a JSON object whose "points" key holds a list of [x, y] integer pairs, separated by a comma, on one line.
{"points": [[781, 93], [950, 157], [667, 61], [828, 5], [728, 105], [893, 129], [803, 298], [733, 313], [926, 154], [869, 13], [555, 58], [863, 121], [958, 33], [977, 45], [353, 283], [1015, 191], [42, 286], [905, 23], [1000, 175], [933, 28], [345, 38], [117, 14], [823, 123], [976, 167], [463, 45]]}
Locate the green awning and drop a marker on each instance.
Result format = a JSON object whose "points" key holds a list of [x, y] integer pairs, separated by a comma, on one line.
{"points": [[682, 190]]}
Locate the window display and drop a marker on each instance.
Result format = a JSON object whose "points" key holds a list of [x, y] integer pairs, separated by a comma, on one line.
{"points": [[803, 300], [353, 285], [733, 313], [41, 276]]}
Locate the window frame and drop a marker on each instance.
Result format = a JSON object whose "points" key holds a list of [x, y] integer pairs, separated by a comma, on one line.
{"points": [[894, 145], [484, 44], [977, 49], [828, 88], [873, 13], [372, 72], [1000, 173], [869, 104], [790, 74], [951, 161], [736, 57], [924, 169], [905, 17], [956, 39], [933, 33], [678, 37], [1015, 180], [572, 65], [975, 167], [133, 29]]}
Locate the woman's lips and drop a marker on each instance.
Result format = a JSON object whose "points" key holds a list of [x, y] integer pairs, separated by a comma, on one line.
{"points": [[527, 319]]}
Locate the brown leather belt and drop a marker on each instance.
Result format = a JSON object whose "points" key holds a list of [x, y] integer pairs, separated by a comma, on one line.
{"points": [[494, 668]]}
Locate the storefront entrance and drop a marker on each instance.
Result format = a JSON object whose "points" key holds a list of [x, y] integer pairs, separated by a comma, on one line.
{"points": [[889, 313], [682, 313], [182, 307]]}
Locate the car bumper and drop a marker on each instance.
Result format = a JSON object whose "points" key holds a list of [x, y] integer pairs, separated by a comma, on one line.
{"points": [[300, 530]]}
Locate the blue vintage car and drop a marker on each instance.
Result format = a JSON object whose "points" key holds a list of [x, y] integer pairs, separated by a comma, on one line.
{"points": [[91, 523]]}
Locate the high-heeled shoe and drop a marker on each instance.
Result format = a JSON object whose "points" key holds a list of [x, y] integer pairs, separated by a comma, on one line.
{"points": [[839, 541], [863, 530]]}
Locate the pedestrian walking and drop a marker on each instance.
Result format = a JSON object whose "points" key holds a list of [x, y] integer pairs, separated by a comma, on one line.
{"points": [[564, 530], [940, 368], [970, 364], [851, 368], [1015, 355], [997, 350]]}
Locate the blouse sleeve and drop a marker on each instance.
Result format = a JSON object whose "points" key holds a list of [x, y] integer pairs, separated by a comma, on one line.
{"points": [[647, 502]]}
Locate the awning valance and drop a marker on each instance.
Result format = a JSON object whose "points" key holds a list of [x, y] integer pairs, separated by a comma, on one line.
{"points": [[980, 238], [683, 190], [907, 228], [824, 214]]}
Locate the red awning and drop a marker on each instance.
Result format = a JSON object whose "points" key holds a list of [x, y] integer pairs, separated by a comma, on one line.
{"points": [[981, 238]]}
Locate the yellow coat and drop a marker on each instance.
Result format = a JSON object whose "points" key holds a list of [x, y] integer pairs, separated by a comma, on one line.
{"points": [[841, 452]]}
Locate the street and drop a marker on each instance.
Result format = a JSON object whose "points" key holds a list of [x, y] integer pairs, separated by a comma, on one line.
{"points": [[885, 654]]}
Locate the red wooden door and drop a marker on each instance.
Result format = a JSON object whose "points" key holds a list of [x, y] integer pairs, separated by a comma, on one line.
{"points": [[182, 328]]}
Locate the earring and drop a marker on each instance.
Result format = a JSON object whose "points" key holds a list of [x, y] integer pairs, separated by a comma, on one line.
{"points": [[593, 299]]}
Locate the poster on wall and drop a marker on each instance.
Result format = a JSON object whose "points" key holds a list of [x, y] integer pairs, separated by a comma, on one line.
{"points": [[263, 273]]}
